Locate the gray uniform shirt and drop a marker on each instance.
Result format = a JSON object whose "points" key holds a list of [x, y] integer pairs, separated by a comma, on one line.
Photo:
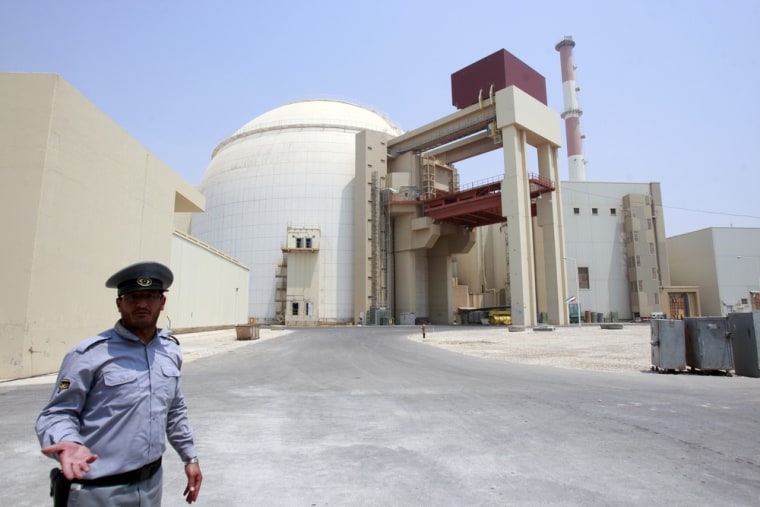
{"points": [[122, 399]]}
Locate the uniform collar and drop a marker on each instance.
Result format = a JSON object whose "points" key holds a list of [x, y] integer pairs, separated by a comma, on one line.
{"points": [[129, 335]]}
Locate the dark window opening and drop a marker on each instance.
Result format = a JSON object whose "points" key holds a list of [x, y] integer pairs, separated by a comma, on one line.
{"points": [[583, 282]]}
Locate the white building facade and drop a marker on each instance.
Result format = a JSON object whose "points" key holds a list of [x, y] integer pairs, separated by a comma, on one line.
{"points": [[281, 181], [615, 247]]}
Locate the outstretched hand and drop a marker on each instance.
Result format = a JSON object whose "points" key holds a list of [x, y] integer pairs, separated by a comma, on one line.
{"points": [[194, 479], [75, 458]]}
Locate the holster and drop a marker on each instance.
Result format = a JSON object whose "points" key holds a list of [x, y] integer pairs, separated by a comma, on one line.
{"points": [[59, 488]]}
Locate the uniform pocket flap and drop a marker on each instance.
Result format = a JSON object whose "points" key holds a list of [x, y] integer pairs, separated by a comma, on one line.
{"points": [[117, 378], [170, 371]]}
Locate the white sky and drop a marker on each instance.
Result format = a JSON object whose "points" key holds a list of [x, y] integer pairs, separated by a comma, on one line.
{"points": [[670, 89]]}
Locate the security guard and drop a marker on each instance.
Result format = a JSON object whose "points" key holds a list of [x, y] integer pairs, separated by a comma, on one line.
{"points": [[117, 399]]}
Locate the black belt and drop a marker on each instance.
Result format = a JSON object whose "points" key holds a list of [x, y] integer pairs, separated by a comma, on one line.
{"points": [[130, 477]]}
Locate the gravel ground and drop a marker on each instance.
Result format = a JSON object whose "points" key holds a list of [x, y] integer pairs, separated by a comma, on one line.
{"points": [[588, 347]]}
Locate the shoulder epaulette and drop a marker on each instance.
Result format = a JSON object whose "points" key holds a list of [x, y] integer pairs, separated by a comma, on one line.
{"points": [[90, 342], [170, 337]]}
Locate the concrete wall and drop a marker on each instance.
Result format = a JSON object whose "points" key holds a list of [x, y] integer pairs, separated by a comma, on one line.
{"points": [[210, 288], [699, 270], [723, 279], [737, 251], [79, 199]]}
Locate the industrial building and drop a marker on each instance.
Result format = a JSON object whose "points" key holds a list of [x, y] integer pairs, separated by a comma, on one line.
{"points": [[279, 196], [615, 252], [343, 219], [614, 232], [323, 212], [293, 196]]}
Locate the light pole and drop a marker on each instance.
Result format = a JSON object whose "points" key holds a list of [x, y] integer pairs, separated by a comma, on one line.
{"points": [[577, 291]]}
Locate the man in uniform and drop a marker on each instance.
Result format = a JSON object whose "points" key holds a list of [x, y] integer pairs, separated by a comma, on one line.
{"points": [[117, 399]]}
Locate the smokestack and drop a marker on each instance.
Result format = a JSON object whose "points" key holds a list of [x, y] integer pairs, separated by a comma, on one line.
{"points": [[572, 113]]}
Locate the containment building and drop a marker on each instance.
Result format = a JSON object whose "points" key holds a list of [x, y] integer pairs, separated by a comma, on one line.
{"points": [[280, 198]]}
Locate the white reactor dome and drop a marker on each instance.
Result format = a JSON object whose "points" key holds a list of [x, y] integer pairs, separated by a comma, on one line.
{"points": [[293, 166]]}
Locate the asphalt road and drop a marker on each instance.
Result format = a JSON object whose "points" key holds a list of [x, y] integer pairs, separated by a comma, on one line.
{"points": [[365, 416]]}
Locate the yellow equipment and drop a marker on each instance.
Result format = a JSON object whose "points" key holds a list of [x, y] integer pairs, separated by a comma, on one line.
{"points": [[500, 317]]}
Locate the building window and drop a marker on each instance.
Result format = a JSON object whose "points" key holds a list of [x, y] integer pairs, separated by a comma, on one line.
{"points": [[576, 211], [641, 285], [656, 298], [613, 211], [651, 248], [583, 278], [654, 273], [638, 261], [295, 308], [308, 242], [594, 211], [649, 223], [635, 235], [309, 308], [299, 242], [745, 301]]}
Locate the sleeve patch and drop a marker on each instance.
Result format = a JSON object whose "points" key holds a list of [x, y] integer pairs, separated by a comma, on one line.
{"points": [[64, 384]]}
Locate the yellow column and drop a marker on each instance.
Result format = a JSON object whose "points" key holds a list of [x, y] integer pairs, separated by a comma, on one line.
{"points": [[549, 220], [515, 205]]}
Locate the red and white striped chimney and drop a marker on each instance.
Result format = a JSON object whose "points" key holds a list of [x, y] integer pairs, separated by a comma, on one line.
{"points": [[572, 113]]}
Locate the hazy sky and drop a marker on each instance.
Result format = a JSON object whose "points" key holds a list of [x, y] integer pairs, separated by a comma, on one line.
{"points": [[670, 89]]}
